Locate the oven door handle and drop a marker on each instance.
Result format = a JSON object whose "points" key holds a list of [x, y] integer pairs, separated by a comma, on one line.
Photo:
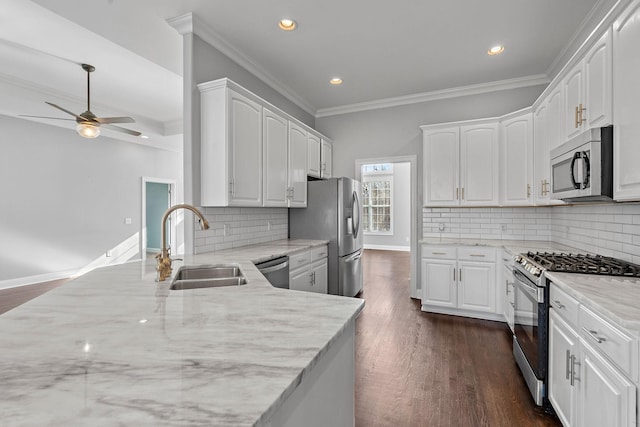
{"points": [[536, 292]]}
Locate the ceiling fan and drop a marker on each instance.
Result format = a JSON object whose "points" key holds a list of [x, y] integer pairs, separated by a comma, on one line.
{"points": [[88, 123]]}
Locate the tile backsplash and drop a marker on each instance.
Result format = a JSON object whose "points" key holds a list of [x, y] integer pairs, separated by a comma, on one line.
{"points": [[606, 229], [244, 226]]}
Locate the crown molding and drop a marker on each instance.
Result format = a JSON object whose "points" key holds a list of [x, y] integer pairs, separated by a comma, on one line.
{"points": [[190, 23], [417, 98]]}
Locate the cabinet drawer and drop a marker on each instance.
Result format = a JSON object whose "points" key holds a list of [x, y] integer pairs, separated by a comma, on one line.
{"points": [[564, 304], [318, 253], [608, 339], [476, 253], [439, 252], [299, 260]]}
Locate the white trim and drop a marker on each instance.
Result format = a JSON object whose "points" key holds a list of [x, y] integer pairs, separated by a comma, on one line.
{"points": [[143, 231], [38, 278], [457, 92], [191, 23], [388, 248], [416, 227]]}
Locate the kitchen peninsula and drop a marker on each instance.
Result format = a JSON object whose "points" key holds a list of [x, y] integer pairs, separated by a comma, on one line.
{"points": [[115, 347]]}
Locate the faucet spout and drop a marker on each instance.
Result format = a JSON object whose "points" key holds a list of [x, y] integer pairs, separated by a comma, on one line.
{"points": [[163, 266]]}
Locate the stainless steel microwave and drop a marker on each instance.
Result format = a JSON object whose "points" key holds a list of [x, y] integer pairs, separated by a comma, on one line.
{"points": [[582, 168]]}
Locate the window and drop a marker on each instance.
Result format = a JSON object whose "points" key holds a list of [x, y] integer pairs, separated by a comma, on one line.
{"points": [[377, 185]]}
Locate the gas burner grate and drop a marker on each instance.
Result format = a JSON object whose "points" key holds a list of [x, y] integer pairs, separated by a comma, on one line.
{"points": [[585, 263]]}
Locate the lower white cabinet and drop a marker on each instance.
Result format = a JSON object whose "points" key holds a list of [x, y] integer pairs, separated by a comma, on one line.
{"points": [[505, 290], [308, 270], [459, 280], [591, 363]]}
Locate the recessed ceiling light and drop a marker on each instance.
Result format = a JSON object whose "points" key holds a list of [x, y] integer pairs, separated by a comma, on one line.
{"points": [[496, 50], [287, 24], [336, 81], [144, 137]]}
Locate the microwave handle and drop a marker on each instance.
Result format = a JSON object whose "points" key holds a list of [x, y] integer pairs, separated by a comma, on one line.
{"points": [[580, 155]]}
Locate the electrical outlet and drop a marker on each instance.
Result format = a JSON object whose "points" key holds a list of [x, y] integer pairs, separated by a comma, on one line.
{"points": [[441, 226], [503, 227], [127, 221]]}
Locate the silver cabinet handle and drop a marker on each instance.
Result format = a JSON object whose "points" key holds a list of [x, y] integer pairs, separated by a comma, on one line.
{"points": [[594, 335], [568, 367], [454, 274], [477, 255], [439, 253], [559, 304], [460, 275], [573, 372], [506, 286]]}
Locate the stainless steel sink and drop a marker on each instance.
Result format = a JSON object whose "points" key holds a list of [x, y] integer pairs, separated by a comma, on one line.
{"points": [[207, 276]]}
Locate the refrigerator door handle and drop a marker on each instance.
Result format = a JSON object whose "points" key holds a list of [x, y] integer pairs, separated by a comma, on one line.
{"points": [[356, 214]]}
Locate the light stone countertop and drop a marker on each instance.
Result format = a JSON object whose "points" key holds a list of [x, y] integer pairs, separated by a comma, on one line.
{"points": [[115, 348], [514, 247]]}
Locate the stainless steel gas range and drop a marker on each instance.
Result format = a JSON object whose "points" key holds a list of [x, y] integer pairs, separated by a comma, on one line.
{"points": [[530, 340]]}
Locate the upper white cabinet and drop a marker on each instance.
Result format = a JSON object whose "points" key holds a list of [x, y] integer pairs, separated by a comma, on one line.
{"points": [[231, 147], [252, 153], [313, 155], [517, 159], [275, 144], [298, 155], [461, 165], [626, 104], [326, 159], [587, 90]]}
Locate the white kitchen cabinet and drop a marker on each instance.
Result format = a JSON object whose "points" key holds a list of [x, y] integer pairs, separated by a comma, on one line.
{"points": [[298, 152], [587, 90], [626, 105], [308, 270], [517, 159], [460, 281], [461, 164], [275, 144], [326, 159], [591, 363], [563, 352], [313, 152], [231, 147]]}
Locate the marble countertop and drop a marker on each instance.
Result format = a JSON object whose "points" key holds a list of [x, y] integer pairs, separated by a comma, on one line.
{"points": [[115, 348], [615, 298], [512, 246]]}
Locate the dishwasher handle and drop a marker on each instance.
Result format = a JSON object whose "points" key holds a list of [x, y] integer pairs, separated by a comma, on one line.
{"points": [[276, 267]]}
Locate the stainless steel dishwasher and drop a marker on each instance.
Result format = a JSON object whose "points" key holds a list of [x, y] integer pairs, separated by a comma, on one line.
{"points": [[276, 271]]}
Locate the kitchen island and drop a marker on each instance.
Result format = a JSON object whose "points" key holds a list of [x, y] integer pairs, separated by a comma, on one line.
{"points": [[114, 347]]}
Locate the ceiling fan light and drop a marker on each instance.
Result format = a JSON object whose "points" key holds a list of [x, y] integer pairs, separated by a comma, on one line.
{"points": [[88, 130]]}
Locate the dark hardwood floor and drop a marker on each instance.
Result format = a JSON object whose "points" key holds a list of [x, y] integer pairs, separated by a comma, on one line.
{"points": [[423, 369]]}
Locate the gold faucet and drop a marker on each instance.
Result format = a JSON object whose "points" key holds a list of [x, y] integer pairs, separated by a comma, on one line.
{"points": [[163, 266]]}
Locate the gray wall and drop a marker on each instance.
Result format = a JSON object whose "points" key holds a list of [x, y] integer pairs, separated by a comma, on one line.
{"points": [[65, 198], [395, 131], [401, 213]]}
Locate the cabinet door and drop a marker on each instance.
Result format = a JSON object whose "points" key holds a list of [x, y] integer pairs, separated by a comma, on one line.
{"points": [[275, 146], [477, 286], [326, 159], [541, 178], [626, 106], [555, 118], [245, 150], [297, 166], [598, 83], [563, 351], [438, 283], [319, 277], [479, 165], [517, 165], [572, 101], [606, 398], [508, 300], [300, 280], [313, 153], [441, 167]]}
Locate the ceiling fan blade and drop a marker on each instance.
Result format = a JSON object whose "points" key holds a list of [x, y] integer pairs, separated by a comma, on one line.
{"points": [[123, 130], [107, 120], [84, 119], [45, 117]]}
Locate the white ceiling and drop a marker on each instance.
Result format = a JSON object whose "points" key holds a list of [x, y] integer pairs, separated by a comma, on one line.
{"points": [[381, 49]]}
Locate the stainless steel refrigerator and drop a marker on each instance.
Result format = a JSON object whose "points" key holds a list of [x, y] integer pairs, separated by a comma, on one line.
{"points": [[334, 213]]}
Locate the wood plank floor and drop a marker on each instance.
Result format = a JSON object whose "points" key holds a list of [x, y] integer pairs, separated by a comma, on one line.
{"points": [[423, 369]]}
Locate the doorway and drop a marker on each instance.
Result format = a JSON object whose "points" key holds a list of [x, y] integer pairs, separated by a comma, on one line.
{"points": [[157, 196], [401, 174]]}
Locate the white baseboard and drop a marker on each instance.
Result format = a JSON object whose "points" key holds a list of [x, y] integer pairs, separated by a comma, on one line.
{"points": [[39, 278], [388, 248]]}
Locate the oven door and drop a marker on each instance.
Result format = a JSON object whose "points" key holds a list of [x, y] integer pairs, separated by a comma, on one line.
{"points": [[530, 333]]}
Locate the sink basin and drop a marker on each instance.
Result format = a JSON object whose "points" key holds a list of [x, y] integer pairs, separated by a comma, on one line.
{"points": [[207, 276]]}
